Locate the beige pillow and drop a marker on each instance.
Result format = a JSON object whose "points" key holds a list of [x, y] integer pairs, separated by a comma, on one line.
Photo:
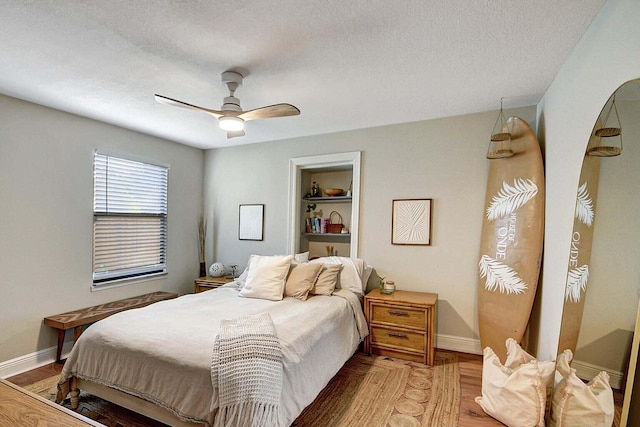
{"points": [[514, 393], [351, 276], [266, 277], [327, 280], [301, 279], [574, 401]]}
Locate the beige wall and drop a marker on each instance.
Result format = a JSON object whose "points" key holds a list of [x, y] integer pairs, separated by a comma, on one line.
{"points": [[605, 57], [442, 159], [46, 200]]}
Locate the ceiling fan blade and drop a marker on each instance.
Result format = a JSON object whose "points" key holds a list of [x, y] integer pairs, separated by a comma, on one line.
{"points": [[271, 111], [174, 102], [234, 133]]}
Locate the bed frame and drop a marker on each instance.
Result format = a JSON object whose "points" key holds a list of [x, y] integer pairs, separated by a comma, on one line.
{"points": [[160, 413], [141, 406]]}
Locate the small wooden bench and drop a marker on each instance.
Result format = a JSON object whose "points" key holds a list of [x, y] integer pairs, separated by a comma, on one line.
{"points": [[78, 318]]}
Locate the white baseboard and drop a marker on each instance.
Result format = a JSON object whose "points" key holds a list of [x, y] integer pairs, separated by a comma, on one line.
{"points": [[31, 361], [463, 345], [587, 371]]}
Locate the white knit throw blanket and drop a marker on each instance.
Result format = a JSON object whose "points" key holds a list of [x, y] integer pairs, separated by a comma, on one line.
{"points": [[246, 372]]}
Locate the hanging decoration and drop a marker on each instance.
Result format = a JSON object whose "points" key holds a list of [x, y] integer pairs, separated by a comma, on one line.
{"points": [[500, 144], [609, 136]]}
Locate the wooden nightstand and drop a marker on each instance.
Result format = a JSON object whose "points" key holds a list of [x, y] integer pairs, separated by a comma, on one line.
{"points": [[202, 284], [401, 325]]}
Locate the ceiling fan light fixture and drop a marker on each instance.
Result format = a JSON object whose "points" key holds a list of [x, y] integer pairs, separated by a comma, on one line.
{"points": [[231, 123]]}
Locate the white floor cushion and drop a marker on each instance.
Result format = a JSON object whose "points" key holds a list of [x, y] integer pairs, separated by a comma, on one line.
{"points": [[514, 393], [574, 402]]}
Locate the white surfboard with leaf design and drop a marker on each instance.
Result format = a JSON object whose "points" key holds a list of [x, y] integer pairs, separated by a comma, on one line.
{"points": [[511, 244]]}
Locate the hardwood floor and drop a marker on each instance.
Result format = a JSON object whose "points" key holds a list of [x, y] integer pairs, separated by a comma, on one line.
{"points": [[471, 415], [37, 374]]}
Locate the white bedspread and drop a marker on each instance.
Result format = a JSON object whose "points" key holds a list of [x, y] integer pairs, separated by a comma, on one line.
{"points": [[162, 352]]}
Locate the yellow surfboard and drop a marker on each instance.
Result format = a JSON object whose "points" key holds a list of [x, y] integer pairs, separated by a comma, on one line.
{"points": [[512, 236]]}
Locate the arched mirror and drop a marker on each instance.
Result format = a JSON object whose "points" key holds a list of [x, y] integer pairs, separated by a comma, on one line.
{"points": [[603, 280]]}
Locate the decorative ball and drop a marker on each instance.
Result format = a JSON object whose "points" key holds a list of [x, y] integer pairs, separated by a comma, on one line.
{"points": [[216, 269]]}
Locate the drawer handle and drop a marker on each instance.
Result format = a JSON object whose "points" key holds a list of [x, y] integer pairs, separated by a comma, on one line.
{"points": [[398, 313], [397, 335]]}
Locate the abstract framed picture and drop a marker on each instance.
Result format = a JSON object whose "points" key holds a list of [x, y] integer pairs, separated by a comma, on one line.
{"points": [[251, 225], [411, 222]]}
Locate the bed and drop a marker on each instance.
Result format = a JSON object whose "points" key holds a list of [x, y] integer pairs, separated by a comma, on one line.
{"points": [[157, 360]]}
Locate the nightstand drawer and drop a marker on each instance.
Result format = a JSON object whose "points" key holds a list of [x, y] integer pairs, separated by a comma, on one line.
{"points": [[398, 315], [397, 338]]}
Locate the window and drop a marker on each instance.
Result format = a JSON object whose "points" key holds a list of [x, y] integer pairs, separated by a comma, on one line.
{"points": [[129, 219]]}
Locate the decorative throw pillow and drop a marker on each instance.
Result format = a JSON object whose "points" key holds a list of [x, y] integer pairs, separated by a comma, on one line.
{"points": [[351, 276], [327, 280], [298, 258], [266, 277], [516, 356], [574, 401], [301, 279], [514, 395]]}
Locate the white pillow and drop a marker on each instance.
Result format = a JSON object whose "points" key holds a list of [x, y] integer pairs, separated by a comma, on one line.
{"points": [[266, 277], [514, 395], [351, 275], [574, 401], [301, 257], [516, 356], [298, 258]]}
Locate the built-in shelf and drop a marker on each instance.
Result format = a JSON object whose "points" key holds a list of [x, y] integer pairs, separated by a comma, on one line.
{"points": [[334, 199], [327, 235], [327, 171]]}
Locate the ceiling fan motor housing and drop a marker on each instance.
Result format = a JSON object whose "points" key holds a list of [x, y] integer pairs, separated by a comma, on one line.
{"points": [[232, 79], [231, 103]]}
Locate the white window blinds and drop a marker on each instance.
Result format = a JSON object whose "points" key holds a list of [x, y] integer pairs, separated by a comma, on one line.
{"points": [[129, 219]]}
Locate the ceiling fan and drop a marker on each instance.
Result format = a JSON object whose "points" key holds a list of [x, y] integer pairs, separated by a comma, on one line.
{"points": [[230, 116]]}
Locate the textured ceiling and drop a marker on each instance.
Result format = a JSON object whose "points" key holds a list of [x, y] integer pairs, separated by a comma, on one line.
{"points": [[345, 64]]}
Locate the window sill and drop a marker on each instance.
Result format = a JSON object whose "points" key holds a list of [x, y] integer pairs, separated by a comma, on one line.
{"points": [[126, 282]]}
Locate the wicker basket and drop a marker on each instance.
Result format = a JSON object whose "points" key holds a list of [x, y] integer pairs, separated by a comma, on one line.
{"points": [[333, 227]]}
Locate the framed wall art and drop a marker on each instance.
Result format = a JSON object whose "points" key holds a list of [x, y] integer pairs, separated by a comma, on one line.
{"points": [[251, 223], [411, 222]]}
